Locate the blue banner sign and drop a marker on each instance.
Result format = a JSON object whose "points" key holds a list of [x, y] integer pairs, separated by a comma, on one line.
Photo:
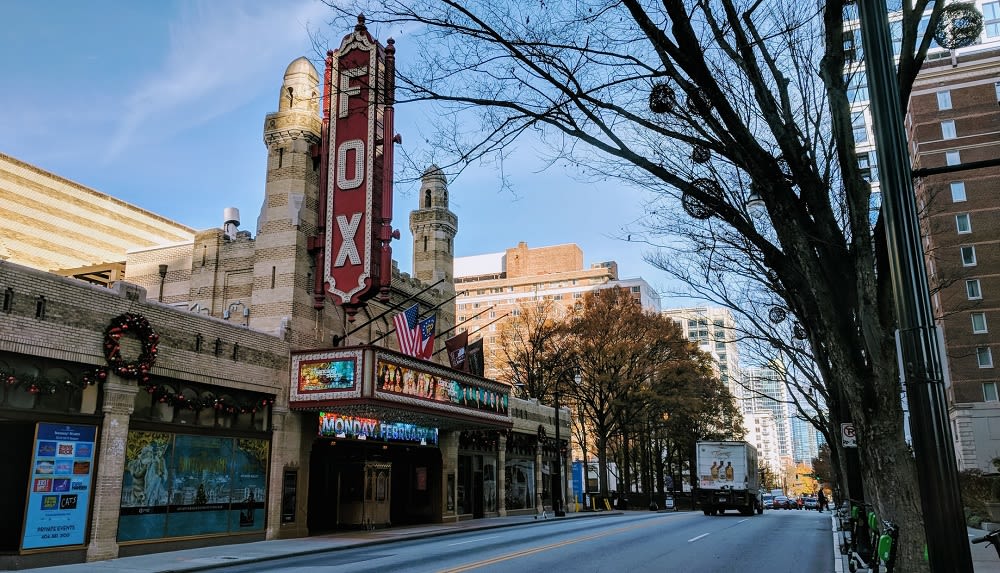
{"points": [[578, 481], [59, 493]]}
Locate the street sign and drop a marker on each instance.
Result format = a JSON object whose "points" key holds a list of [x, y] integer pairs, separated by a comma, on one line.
{"points": [[847, 437]]}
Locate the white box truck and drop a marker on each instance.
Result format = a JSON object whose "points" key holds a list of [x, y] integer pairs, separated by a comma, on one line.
{"points": [[728, 478]]}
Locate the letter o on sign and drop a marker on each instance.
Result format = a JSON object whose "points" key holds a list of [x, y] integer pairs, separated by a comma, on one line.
{"points": [[358, 147]]}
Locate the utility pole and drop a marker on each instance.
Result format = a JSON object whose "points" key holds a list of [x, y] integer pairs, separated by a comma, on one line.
{"points": [[937, 471]]}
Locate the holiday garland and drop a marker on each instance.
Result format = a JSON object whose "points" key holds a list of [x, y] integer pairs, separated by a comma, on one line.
{"points": [[225, 404], [139, 326], [35, 384]]}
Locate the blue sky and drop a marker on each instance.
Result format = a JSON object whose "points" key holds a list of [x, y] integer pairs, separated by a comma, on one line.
{"points": [[162, 104]]}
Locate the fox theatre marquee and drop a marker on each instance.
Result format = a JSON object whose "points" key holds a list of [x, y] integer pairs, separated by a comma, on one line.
{"points": [[388, 433]]}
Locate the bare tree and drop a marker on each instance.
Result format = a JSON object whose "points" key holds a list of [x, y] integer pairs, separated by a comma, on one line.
{"points": [[706, 104], [531, 354]]}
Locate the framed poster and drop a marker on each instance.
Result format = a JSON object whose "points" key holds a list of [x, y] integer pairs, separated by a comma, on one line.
{"points": [[62, 467]]}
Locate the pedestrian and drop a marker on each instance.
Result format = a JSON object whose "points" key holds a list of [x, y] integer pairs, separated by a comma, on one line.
{"points": [[822, 501]]}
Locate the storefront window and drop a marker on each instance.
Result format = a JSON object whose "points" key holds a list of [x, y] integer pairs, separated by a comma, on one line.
{"points": [[490, 485], [177, 485], [520, 477]]}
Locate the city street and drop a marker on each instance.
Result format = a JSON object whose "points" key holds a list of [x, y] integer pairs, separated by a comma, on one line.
{"points": [[776, 541]]}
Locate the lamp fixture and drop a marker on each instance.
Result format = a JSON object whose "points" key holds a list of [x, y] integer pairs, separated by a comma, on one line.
{"points": [[756, 206]]}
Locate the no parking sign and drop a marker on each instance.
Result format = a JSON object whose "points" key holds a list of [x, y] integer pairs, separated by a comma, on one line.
{"points": [[847, 437]]}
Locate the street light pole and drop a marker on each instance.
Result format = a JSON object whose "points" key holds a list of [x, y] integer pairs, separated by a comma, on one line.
{"points": [[557, 505], [937, 471]]}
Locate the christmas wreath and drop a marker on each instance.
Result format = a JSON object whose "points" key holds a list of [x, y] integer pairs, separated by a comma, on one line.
{"points": [[138, 326]]}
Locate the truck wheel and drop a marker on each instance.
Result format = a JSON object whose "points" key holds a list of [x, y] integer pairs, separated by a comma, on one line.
{"points": [[706, 512]]}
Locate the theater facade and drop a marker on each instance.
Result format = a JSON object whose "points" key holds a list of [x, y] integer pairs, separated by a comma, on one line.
{"points": [[208, 390]]}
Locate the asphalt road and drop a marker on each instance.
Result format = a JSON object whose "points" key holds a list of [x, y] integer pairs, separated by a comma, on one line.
{"points": [[775, 542]]}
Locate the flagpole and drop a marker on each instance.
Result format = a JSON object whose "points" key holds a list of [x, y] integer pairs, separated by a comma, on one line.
{"points": [[387, 311], [467, 320], [476, 330], [437, 306]]}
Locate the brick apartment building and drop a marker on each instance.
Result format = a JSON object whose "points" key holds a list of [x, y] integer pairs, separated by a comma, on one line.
{"points": [[954, 120], [493, 286]]}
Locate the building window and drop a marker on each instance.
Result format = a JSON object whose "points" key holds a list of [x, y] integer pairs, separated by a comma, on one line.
{"points": [[948, 129], [944, 100], [857, 87], [963, 223], [984, 357], [636, 289], [493, 314], [858, 124], [957, 191], [969, 256], [996, 90], [973, 290], [979, 323], [853, 50], [868, 167], [991, 19], [952, 158], [990, 391]]}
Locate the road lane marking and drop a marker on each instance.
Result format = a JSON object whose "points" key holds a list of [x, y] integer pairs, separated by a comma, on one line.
{"points": [[473, 540], [699, 537], [540, 549]]}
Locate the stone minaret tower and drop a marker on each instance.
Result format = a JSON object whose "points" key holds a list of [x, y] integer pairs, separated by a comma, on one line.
{"points": [[434, 228], [282, 266]]}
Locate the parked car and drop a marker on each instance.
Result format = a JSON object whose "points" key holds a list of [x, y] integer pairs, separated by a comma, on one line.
{"points": [[781, 502], [768, 500], [811, 503]]}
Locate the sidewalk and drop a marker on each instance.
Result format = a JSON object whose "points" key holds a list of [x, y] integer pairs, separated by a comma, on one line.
{"points": [[984, 557], [206, 558]]}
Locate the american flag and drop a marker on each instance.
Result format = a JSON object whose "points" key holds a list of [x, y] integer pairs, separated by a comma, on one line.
{"points": [[406, 331], [427, 337]]}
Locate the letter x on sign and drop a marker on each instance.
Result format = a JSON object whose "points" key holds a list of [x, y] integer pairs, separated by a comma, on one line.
{"points": [[348, 250]]}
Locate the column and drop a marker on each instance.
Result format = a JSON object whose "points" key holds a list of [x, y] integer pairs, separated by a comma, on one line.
{"points": [[539, 504], [289, 451], [502, 475], [449, 467], [119, 402]]}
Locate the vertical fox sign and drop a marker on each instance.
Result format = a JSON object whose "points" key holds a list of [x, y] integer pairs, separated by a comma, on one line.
{"points": [[357, 256]]}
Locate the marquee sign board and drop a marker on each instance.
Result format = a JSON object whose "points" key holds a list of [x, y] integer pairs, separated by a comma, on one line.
{"points": [[358, 179]]}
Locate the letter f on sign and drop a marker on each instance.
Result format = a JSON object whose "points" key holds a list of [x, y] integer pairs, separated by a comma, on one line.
{"points": [[348, 250]]}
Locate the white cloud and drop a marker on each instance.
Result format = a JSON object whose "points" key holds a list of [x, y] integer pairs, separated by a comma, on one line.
{"points": [[221, 54]]}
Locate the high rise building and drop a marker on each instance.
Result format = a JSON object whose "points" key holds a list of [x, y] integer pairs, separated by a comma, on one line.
{"points": [[493, 286], [762, 432], [713, 329], [805, 441], [766, 391]]}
